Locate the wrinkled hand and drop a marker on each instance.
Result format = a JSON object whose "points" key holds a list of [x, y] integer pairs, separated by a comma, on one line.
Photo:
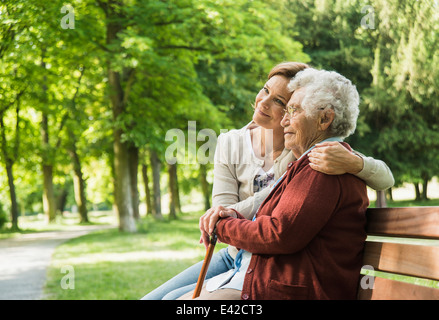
{"points": [[210, 218], [334, 159]]}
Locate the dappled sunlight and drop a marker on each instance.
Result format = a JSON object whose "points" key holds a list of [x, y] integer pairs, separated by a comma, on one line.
{"points": [[137, 256], [66, 221]]}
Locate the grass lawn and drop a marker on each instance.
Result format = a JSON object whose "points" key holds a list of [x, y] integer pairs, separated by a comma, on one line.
{"points": [[109, 264]]}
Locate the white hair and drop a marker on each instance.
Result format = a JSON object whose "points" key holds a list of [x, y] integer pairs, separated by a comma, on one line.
{"points": [[329, 89]]}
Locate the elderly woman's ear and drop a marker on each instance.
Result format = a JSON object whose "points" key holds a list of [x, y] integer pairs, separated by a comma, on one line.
{"points": [[326, 118]]}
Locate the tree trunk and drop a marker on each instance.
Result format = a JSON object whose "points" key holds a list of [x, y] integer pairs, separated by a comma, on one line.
{"points": [[156, 199], [134, 164], [390, 193], [417, 191], [425, 179], [80, 198], [172, 171], [62, 200], [205, 186], [9, 171], [122, 176], [122, 185], [49, 203], [13, 196], [147, 190], [381, 200], [78, 182], [424, 190], [177, 190]]}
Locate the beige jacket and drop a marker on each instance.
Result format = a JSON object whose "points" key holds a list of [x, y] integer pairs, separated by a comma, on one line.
{"points": [[236, 166]]}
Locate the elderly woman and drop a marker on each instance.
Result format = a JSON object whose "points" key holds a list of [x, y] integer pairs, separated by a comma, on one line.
{"points": [[307, 238]]}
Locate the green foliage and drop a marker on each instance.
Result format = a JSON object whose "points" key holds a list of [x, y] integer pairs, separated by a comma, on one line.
{"points": [[394, 67], [403, 116], [203, 61], [3, 216]]}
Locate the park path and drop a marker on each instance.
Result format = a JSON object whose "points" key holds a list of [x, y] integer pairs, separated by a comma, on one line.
{"points": [[24, 261]]}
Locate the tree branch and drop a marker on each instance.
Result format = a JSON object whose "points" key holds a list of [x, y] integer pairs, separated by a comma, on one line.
{"points": [[130, 79], [17, 124], [66, 115], [165, 23], [183, 47]]}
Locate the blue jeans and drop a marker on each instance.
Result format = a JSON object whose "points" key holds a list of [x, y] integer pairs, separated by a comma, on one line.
{"points": [[186, 281]]}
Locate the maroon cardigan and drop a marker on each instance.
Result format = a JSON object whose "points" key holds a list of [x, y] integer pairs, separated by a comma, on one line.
{"points": [[308, 237]]}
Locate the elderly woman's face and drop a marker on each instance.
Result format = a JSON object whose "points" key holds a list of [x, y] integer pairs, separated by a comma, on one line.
{"points": [[271, 102], [300, 131]]}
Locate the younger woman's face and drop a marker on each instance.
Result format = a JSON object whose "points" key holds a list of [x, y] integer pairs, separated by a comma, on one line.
{"points": [[271, 101]]}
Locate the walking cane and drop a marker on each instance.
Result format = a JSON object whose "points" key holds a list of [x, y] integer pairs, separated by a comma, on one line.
{"points": [[207, 258]]}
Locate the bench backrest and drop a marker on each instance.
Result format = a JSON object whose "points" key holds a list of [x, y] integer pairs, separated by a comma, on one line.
{"points": [[402, 250]]}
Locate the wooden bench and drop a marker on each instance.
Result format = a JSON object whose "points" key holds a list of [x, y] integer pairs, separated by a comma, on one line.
{"points": [[402, 243]]}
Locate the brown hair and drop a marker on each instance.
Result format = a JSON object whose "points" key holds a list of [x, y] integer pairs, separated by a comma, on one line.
{"points": [[287, 69]]}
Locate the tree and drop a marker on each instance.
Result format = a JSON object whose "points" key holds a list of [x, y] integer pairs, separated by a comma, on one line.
{"points": [[393, 62], [416, 76], [12, 75], [70, 120], [401, 101]]}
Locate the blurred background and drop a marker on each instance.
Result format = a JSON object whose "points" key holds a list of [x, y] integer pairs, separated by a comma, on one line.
{"points": [[89, 89]]}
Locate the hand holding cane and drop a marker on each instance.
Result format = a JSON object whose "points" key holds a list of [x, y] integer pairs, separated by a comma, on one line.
{"points": [[207, 258]]}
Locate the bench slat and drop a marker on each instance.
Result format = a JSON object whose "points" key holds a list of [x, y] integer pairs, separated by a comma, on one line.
{"points": [[409, 221], [385, 289], [412, 260]]}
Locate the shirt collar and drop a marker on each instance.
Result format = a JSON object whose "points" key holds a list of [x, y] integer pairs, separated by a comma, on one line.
{"points": [[338, 139]]}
